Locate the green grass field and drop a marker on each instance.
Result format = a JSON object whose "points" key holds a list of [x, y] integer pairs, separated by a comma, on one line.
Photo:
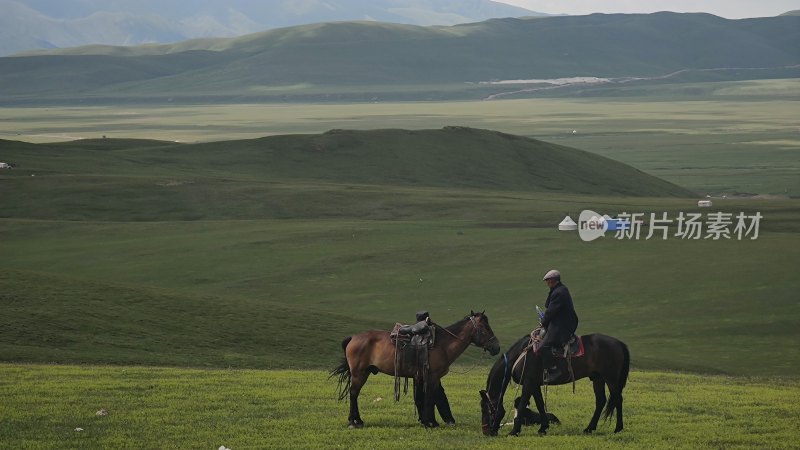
{"points": [[117, 263], [203, 409]]}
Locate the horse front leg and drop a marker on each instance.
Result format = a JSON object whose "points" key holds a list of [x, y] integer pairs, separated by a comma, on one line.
{"points": [[543, 417], [524, 399], [599, 403]]}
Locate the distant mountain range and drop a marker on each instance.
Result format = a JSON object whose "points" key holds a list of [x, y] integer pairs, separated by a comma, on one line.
{"points": [[43, 24], [362, 57]]}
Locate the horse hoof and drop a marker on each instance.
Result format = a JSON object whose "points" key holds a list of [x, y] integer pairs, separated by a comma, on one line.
{"points": [[451, 423], [542, 431], [431, 424], [617, 430], [514, 433], [355, 424], [587, 431]]}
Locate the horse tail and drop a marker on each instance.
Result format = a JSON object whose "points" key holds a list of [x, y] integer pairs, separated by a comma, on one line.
{"points": [[346, 341], [343, 372], [626, 368], [616, 397]]}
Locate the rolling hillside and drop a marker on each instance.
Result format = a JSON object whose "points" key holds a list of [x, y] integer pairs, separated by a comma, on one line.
{"points": [[453, 157], [359, 56]]}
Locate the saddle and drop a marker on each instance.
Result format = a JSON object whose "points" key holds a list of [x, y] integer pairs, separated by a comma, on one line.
{"points": [[570, 349], [412, 344], [417, 335], [573, 348]]}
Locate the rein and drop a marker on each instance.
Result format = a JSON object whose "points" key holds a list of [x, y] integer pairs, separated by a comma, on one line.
{"points": [[507, 374], [492, 414], [474, 328], [493, 410]]}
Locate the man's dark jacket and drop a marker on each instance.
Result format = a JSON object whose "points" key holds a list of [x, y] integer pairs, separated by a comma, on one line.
{"points": [[560, 319]]}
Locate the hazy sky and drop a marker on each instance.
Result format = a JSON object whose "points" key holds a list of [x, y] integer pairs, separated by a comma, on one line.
{"points": [[731, 9]]}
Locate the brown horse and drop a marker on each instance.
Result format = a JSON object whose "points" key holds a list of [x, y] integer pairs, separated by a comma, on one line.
{"points": [[606, 361], [372, 352]]}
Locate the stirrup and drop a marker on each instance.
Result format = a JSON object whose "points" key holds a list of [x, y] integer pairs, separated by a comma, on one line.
{"points": [[550, 377]]}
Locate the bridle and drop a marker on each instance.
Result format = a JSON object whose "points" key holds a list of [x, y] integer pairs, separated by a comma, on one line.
{"points": [[475, 329], [494, 410], [486, 427]]}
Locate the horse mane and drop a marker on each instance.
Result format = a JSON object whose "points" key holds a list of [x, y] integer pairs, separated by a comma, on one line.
{"points": [[456, 326], [497, 375]]}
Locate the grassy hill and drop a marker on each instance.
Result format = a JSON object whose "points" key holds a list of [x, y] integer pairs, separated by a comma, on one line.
{"points": [[453, 157], [76, 319], [333, 57], [251, 293], [712, 138]]}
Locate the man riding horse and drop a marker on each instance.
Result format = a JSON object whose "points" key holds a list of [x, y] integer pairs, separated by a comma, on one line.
{"points": [[560, 322]]}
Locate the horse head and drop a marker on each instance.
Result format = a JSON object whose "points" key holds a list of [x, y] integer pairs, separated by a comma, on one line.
{"points": [[491, 414], [483, 336]]}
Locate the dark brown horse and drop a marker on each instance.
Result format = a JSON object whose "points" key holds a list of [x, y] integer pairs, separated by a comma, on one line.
{"points": [[606, 361], [372, 352]]}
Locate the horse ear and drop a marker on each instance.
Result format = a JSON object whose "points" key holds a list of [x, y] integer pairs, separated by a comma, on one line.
{"points": [[483, 313], [471, 312], [483, 393]]}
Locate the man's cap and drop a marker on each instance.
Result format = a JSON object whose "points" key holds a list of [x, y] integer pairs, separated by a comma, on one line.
{"points": [[422, 315], [552, 274]]}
